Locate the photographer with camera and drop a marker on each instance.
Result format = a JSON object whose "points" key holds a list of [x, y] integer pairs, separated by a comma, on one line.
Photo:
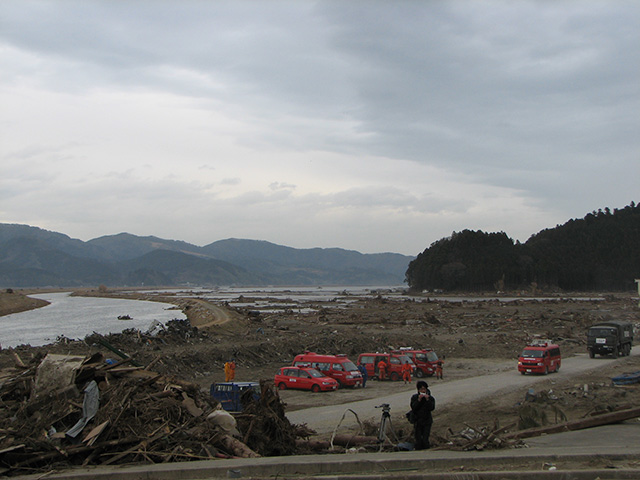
{"points": [[422, 404]]}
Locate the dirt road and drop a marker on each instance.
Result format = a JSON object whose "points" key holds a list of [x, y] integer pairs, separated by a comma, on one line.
{"points": [[463, 393], [220, 315]]}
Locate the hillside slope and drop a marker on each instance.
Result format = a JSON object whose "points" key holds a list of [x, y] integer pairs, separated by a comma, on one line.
{"points": [[33, 257]]}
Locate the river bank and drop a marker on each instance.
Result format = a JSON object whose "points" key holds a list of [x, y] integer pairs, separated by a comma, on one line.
{"points": [[14, 302]]}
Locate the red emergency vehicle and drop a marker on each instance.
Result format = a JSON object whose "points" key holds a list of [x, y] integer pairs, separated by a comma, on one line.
{"points": [[304, 378], [339, 367], [425, 360], [540, 357], [394, 363]]}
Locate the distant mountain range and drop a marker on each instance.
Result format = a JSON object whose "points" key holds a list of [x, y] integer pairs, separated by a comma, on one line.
{"points": [[33, 257]]}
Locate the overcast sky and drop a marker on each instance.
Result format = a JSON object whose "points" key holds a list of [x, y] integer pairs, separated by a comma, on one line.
{"points": [[366, 125]]}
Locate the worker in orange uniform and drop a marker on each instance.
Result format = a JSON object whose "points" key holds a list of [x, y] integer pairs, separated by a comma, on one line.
{"points": [[382, 370], [439, 365], [229, 371], [406, 372]]}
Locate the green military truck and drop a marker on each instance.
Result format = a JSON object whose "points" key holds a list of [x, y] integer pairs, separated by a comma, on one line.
{"points": [[610, 338]]}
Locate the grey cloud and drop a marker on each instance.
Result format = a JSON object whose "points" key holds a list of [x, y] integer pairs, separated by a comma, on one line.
{"points": [[281, 186], [231, 181], [539, 97]]}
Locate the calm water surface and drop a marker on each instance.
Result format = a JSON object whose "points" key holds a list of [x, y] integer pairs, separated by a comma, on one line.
{"points": [[77, 317]]}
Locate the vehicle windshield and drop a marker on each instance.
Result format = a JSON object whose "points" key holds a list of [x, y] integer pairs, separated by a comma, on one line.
{"points": [[314, 373], [427, 357], [532, 353], [405, 359], [253, 388], [601, 332], [349, 366]]}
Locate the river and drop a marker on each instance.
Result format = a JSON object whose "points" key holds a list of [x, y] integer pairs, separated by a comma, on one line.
{"points": [[77, 317]]}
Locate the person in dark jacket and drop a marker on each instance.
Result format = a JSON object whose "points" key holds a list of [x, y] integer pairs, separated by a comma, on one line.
{"points": [[422, 404], [365, 375]]}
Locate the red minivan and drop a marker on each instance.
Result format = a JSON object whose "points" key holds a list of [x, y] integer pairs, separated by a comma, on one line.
{"points": [[339, 367], [425, 360], [394, 363], [540, 357]]}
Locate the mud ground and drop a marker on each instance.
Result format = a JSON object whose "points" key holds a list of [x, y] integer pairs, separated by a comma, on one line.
{"points": [[474, 337]]}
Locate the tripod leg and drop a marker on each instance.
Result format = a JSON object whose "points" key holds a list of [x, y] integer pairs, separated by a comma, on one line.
{"points": [[385, 424], [382, 433], [393, 431]]}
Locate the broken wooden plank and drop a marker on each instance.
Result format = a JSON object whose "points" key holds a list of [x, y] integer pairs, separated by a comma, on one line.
{"points": [[106, 344], [595, 421], [92, 436], [190, 405], [238, 448]]}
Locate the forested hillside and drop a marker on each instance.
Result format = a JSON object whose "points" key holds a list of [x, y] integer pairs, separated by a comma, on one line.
{"points": [[33, 257], [599, 252]]}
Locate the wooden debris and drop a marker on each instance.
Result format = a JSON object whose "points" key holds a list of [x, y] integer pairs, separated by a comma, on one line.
{"points": [[594, 421], [143, 417]]}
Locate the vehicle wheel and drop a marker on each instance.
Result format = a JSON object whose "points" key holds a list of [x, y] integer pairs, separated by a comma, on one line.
{"points": [[591, 354], [419, 373], [557, 367], [627, 349], [315, 388], [282, 386], [395, 377]]}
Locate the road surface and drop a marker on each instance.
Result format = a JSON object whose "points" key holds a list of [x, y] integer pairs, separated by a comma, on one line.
{"points": [[325, 419]]}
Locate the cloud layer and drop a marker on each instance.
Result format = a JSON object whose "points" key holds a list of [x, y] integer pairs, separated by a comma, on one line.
{"points": [[374, 126]]}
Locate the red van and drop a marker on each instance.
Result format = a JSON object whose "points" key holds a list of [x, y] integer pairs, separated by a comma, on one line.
{"points": [[540, 357], [339, 367], [394, 363], [425, 360]]}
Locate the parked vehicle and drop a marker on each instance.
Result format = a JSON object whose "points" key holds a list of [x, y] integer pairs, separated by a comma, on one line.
{"points": [[304, 378], [610, 338], [540, 357], [230, 393], [394, 363], [425, 360], [339, 367]]}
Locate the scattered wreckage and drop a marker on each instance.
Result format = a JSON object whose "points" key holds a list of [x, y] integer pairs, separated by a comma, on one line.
{"points": [[66, 410]]}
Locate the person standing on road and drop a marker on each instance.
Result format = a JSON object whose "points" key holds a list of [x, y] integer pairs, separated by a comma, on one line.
{"points": [[365, 375], [406, 372], [439, 365], [382, 370], [422, 404]]}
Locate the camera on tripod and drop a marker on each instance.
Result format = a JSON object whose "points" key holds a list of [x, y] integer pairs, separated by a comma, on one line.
{"points": [[386, 408]]}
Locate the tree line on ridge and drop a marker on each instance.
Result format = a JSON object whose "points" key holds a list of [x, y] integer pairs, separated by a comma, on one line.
{"points": [[600, 252]]}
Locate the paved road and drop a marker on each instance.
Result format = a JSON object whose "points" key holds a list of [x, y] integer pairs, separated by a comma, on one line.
{"points": [[325, 419]]}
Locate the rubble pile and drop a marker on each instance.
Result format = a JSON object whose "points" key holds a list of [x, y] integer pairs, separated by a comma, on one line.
{"points": [[68, 410], [265, 425], [478, 438]]}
